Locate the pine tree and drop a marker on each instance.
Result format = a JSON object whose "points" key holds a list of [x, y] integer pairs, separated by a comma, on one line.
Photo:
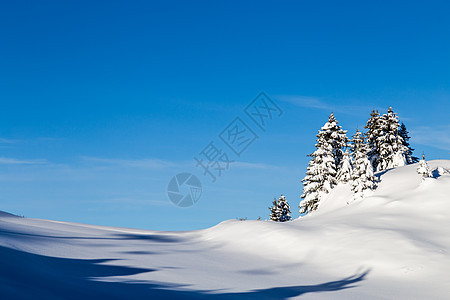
{"points": [[280, 211], [321, 171], [423, 168], [336, 137], [274, 212], [345, 171], [391, 151], [363, 178], [410, 159], [374, 131], [319, 179], [284, 209]]}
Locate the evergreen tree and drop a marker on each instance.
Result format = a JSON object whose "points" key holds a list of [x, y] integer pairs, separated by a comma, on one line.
{"points": [[319, 178], [362, 176], [391, 151], [280, 210], [274, 212], [336, 137], [284, 209], [345, 171], [423, 168], [374, 131], [321, 171], [410, 159]]}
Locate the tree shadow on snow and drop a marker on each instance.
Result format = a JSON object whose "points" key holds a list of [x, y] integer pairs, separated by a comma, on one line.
{"points": [[31, 276], [295, 291], [158, 238], [380, 173]]}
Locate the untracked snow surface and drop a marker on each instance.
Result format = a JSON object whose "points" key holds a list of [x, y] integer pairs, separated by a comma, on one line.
{"points": [[394, 244]]}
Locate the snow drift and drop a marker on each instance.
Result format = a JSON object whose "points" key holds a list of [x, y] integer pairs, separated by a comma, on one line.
{"points": [[394, 244]]}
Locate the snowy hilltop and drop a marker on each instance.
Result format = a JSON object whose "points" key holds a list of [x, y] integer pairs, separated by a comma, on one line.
{"points": [[393, 244], [384, 146]]}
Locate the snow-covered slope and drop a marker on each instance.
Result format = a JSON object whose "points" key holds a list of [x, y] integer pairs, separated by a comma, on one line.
{"points": [[394, 244]]}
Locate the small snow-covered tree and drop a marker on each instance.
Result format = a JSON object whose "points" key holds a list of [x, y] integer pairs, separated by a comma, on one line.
{"points": [[321, 171], [363, 178], [345, 171], [280, 211], [284, 209], [274, 211], [410, 159], [423, 168], [374, 128], [391, 151]]}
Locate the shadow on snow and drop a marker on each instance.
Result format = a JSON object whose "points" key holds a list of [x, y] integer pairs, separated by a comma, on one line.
{"points": [[158, 238], [31, 276]]}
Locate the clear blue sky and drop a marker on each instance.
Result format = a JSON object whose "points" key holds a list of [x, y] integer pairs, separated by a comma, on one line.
{"points": [[102, 102]]}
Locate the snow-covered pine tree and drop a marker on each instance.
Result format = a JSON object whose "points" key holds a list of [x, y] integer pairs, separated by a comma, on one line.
{"points": [[284, 209], [410, 159], [280, 211], [392, 152], [345, 171], [336, 137], [374, 131], [318, 180], [321, 171], [363, 178], [274, 211], [423, 168]]}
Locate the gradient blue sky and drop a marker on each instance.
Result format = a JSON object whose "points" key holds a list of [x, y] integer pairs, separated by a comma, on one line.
{"points": [[102, 102]]}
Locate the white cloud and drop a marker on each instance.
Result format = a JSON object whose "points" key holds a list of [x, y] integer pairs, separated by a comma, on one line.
{"points": [[131, 201], [136, 163], [438, 137], [14, 161], [249, 165], [319, 103], [305, 101], [7, 141]]}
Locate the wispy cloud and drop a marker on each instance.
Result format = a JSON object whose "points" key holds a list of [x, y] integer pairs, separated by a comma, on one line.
{"points": [[7, 141], [320, 103], [13, 143], [438, 137], [136, 163], [158, 164], [305, 101], [14, 161], [138, 201], [253, 166]]}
